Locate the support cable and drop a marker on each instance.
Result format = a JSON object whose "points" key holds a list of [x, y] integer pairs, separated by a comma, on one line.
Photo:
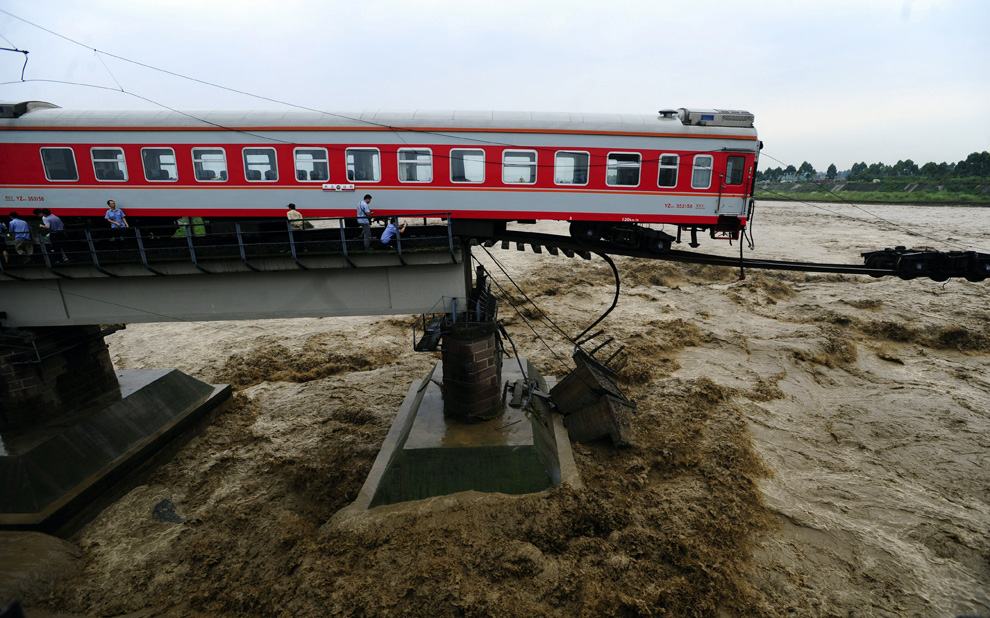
{"points": [[508, 299], [553, 325], [515, 352]]}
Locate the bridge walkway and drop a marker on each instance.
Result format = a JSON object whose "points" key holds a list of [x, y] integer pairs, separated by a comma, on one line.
{"points": [[225, 270]]}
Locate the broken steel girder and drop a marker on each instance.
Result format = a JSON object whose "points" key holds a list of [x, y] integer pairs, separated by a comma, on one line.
{"points": [[591, 402]]}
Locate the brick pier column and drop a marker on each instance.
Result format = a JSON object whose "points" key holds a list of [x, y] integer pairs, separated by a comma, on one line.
{"points": [[47, 372], [472, 372]]}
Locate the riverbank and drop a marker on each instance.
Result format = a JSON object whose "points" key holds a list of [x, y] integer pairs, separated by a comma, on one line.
{"points": [[877, 197]]}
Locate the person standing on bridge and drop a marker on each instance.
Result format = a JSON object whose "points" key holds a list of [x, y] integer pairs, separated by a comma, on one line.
{"points": [[364, 219], [116, 218], [52, 224], [21, 231], [295, 217]]}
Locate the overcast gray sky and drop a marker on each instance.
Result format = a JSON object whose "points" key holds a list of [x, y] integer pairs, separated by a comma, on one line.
{"points": [[832, 81]]}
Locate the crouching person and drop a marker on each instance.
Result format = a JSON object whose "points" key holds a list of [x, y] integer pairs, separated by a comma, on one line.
{"points": [[392, 231]]}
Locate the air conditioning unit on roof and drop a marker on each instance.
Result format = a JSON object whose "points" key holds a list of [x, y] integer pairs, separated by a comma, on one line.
{"points": [[715, 117]]}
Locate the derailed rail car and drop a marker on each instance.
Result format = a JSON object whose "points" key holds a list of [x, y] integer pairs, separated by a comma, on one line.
{"points": [[690, 169]]}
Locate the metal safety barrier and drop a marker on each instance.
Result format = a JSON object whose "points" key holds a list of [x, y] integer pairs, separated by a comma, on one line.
{"points": [[195, 240]]}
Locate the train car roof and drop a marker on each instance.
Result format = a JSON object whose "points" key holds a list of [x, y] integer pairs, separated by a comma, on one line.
{"points": [[38, 114]]}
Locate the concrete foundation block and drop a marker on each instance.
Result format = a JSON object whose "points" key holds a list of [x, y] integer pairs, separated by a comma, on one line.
{"points": [[52, 469], [427, 454]]}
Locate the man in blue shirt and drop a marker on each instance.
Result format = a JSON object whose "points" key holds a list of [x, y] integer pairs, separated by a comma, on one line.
{"points": [[364, 219], [22, 235], [116, 218], [52, 224], [392, 230]]}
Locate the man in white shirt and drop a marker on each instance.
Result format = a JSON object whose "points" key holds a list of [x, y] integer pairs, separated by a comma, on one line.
{"points": [[364, 219], [295, 217]]}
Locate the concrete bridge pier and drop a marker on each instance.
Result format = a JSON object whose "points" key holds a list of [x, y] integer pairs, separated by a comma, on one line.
{"points": [[71, 426], [50, 371]]}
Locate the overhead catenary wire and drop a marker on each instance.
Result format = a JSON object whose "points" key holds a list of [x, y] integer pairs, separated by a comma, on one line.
{"points": [[112, 76], [393, 128], [8, 41], [18, 50]]}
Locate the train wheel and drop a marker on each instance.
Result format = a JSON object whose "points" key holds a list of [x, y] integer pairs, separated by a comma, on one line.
{"points": [[656, 245], [584, 231]]}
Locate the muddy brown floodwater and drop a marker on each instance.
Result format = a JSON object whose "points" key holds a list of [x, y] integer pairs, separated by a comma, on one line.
{"points": [[804, 445]]}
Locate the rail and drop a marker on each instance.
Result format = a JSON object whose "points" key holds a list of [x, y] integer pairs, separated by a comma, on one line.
{"points": [[906, 264], [196, 241]]}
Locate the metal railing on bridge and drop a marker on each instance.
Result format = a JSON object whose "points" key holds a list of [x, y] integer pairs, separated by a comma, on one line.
{"points": [[195, 240]]}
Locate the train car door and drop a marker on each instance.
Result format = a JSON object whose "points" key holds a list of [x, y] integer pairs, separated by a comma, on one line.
{"points": [[731, 189]]}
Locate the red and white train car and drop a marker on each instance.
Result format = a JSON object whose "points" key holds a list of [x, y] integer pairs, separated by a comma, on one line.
{"points": [[690, 168]]}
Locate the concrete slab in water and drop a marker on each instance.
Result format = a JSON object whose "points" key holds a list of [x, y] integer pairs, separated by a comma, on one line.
{"points": [[51, 470], [426, 455]]}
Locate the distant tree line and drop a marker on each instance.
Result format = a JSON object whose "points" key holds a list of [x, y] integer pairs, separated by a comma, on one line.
{"points": [[976, 165]]}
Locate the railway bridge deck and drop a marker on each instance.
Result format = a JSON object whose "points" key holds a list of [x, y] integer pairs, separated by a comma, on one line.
{"points": [[228, 271]]}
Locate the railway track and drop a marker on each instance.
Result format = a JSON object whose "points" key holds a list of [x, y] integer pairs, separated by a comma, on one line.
{"points": [[893, 262]]}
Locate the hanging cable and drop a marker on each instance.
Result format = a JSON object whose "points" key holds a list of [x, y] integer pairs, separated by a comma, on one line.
{"points": [[505, 296], [615, 299], [16, 49], [553, 325]]}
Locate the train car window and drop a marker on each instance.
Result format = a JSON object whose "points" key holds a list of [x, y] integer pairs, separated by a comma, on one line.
{"points": [[519, 167], [571, 168], [59, 164], [109, 164], [210, 164], [415, 165], [260, 165], [622, 169], [734, 171], [159, 164], [668, 170], [364, 165], [312, 165], [701, 175], [467, 165]]}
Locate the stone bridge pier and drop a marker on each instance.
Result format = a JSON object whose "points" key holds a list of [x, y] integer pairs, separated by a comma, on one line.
{"points": [[48, 372], [71, 426]]}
